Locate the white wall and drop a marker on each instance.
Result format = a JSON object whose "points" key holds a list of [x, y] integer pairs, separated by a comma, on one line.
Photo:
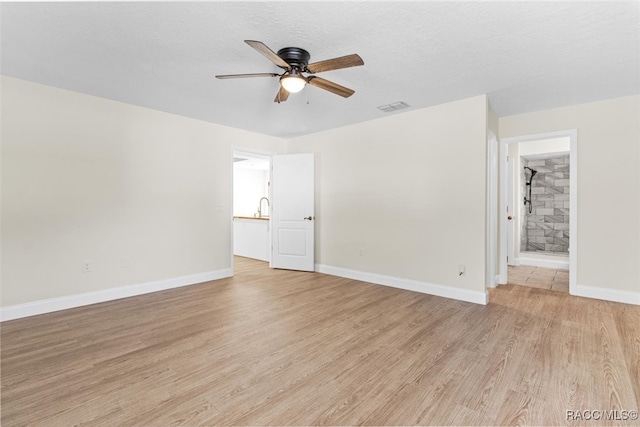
{"points": [[544, 146], [249, 186], [608, 185], [408, 189], [86, 178]]}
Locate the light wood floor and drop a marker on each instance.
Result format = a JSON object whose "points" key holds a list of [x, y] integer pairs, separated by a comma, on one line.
{"points": [[283, 348], [539, 277]]}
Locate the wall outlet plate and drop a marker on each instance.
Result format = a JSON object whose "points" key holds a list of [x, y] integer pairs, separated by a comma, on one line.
{"points": [[87, 267]]}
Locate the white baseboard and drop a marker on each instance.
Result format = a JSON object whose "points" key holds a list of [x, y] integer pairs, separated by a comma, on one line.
{"points": [[62, 303], [478, 297], [606, 294], [496, 281], [547, 263], [502, 277], [493, 283]]}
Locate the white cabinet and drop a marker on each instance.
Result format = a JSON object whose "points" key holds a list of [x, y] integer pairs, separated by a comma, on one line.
{"points": [[252, 238]]}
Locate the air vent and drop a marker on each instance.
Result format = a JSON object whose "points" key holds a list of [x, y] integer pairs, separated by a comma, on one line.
{"points": [[393, 107], [387, 108]]}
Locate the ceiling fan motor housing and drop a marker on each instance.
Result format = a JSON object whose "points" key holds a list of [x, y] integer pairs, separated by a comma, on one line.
{"points": [[295, 56]]}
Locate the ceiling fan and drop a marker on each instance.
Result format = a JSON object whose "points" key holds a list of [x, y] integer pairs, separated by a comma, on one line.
{"points": [[295, 61]]}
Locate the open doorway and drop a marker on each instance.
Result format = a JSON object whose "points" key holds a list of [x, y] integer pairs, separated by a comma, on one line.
{"points": [[251, 206], [273, 209], [538, 203]]}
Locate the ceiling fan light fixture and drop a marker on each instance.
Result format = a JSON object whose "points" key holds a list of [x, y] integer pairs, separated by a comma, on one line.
{"points": [[295, 61], [292, 81]]}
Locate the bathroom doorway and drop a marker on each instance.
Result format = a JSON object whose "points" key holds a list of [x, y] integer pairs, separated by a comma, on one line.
{"points": [[538, 205], [252, 205]]}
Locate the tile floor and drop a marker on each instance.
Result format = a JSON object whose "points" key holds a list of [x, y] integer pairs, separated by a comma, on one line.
{"points": [[539, 277]]}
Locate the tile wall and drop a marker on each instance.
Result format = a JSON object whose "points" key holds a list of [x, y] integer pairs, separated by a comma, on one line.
{"points": [[546, 228]]}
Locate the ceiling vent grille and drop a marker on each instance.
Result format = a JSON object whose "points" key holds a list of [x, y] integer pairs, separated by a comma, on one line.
{"points": [[393, 107]]}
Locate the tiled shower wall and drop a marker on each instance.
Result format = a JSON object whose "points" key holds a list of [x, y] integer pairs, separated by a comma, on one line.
{"points": [[546, 229]]}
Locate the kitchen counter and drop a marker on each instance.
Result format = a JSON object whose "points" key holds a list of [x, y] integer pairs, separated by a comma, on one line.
{"points": [[264, 218], [252, 237]]}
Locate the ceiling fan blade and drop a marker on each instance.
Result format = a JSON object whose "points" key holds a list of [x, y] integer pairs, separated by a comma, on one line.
{"points": [[345, 92], [244, 76], [282, 95], [271, 55], [336, 63]]}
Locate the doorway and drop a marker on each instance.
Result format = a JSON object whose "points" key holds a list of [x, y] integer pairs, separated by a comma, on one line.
{"points": [[538, 205], [273, 209], [251, 205]]}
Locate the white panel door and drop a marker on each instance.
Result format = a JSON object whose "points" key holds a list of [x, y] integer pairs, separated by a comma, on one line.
{"points": [[292, 214]]}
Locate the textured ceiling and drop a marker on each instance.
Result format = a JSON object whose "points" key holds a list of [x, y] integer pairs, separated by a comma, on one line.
{"points": [[526, 56]]}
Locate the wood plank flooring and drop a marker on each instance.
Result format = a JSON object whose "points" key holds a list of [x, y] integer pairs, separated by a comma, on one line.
{"points": [[272, 347]]}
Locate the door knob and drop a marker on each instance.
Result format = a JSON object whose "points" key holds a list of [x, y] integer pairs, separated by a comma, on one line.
{"points": [[308, 218], [509, 217]]}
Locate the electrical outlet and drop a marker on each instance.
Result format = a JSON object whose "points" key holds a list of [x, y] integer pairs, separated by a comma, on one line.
{"points": [[461, 270], [126, 262], [87, 267], [360, 251]]}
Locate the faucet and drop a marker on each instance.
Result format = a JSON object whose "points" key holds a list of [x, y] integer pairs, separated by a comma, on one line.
{"points": [[260, 206]]}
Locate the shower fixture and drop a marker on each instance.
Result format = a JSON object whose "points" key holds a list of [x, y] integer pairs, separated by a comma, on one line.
{"points": [[528, 200]]}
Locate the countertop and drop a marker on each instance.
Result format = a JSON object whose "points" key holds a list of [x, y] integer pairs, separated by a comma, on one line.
{"points": [[252, 218]]}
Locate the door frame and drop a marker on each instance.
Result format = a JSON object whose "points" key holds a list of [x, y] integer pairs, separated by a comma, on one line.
{"points": [[511, 201], [252, 153], [572, 134], [492, 210]]}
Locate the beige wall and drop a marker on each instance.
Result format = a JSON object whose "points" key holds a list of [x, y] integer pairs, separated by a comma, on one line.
{"points": [[493, 122], [89, 179], [608, 185], [408, 189], [85, 178]]}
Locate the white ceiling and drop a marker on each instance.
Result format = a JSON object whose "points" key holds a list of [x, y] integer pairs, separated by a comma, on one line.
{"points": [[526, 56]]}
